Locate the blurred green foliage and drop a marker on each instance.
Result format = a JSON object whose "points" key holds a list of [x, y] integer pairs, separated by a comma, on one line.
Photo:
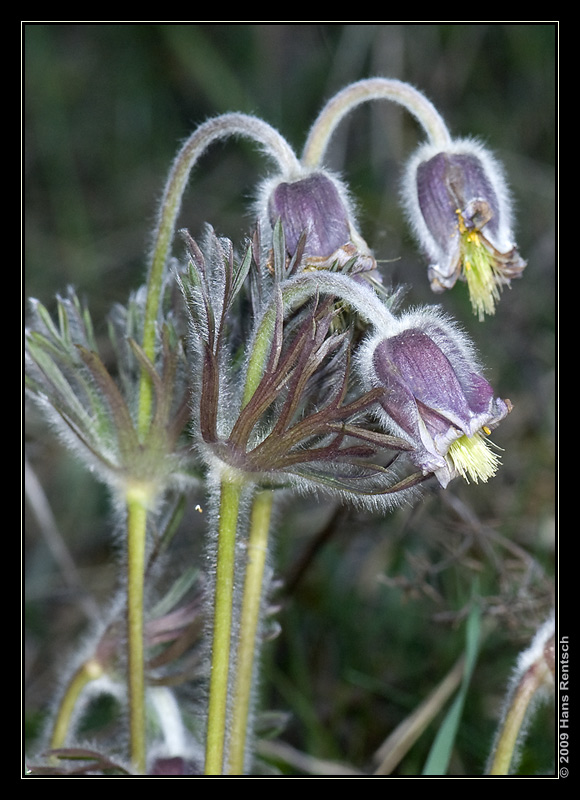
{"points": [[375, 619]]}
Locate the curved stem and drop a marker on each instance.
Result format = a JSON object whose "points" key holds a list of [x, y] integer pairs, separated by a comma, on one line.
{"points": [[136, 538], [222, 626], [250, 615], [511, 728], [87, 672], [372, 89], [298, 290], [217, 128]]}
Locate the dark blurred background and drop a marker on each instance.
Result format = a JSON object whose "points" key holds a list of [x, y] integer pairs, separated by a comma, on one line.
{"points": [[375, 619]]}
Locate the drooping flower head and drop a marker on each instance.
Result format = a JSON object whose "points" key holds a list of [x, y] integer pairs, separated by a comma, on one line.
{"points": [[435, 396], [318, 222], [458, 204]]}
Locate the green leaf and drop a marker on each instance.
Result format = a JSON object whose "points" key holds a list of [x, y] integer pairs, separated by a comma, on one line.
{"points": [[440, 753], [241, 273]]}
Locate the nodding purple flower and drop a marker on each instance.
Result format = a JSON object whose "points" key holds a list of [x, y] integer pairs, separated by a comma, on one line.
{"points": [[311, 205], [317, 222], [458, 204], [434, 396]]}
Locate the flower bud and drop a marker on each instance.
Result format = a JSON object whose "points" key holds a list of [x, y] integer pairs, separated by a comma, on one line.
{"points": [[316, 207], [435, 397], [458, 203]]}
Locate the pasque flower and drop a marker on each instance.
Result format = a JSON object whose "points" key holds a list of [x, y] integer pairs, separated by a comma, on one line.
{"points": [[435, 396], [318, 223], [458, 204]]}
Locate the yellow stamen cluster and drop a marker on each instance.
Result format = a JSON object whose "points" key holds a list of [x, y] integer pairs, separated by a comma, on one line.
{"points": [[473, 458], [479, 270]]}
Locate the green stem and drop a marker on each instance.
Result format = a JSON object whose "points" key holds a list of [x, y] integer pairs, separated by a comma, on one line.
{"points": [[372, 89], [222, 626], [250, 615], [511, 728], [136, 538], [87, 672], [201, 138]]}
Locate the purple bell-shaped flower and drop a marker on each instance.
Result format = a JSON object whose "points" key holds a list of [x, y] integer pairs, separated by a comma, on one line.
{"points": [[435, 397], [459, 207], [318, 223]]}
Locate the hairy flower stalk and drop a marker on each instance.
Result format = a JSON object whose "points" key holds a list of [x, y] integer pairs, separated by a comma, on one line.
{"points": [[363, 91], [207, 133], [137, 508], [250, 614], [223, 612], [531, 683], [89, 671]]}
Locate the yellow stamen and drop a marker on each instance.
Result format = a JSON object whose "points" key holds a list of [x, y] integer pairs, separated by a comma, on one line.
{"points": [[479, 270], [472, 457]]}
